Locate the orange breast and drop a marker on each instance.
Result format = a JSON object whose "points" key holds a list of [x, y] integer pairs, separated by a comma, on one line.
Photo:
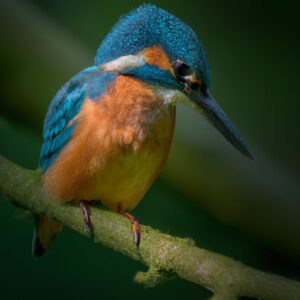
{"points": [[117, 149]]}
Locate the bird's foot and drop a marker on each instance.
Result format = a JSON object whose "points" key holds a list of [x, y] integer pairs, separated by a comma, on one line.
{"points": [[85, 209], [136, 232]]}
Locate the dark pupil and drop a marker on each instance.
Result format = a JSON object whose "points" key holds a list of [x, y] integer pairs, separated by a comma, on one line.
{"points": [[181, 69]]}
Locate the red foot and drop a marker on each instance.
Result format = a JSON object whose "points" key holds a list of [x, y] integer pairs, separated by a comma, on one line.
{"points": [[85, 209], [135, 229]]}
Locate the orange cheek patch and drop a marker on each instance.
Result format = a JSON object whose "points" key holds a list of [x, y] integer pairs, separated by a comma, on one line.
{"points": [[157, 57]]}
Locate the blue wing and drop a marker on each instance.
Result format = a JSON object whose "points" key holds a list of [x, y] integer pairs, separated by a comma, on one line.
{"points": [[90, 82]]}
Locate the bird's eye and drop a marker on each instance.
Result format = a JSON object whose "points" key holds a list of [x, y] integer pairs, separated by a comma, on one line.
{"points": [[186, 76], [181, 69]]}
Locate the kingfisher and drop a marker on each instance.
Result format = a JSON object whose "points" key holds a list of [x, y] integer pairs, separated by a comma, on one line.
{"points": [[108, 130]]}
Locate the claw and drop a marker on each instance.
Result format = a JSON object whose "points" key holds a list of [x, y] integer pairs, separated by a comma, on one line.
{"points": [[85, 209], [136, 232]]}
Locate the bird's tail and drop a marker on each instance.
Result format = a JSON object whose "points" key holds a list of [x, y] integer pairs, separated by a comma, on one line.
{"points": [[45, 231]]}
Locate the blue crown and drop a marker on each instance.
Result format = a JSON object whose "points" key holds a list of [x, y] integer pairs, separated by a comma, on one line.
{"points": [[149, 25]]}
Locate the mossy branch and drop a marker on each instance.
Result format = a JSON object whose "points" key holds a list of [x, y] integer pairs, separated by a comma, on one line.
{"points": [[165, 255]]}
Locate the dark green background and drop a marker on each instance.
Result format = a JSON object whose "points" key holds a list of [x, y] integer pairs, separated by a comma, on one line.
{"points": [[246, 210]]}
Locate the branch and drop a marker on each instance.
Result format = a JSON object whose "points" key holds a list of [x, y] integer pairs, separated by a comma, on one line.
{"points": [[165, 255]]}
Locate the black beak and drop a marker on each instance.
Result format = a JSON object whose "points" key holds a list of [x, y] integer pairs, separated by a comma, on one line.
{"points": [[218, 118]]}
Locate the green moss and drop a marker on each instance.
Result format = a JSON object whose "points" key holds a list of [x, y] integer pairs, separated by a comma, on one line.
{"points": [[164, 254]]}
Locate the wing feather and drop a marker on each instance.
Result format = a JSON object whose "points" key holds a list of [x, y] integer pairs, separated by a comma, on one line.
{"points": [[65, 106]]}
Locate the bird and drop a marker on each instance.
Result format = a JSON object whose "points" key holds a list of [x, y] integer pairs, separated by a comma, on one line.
{"points": [[108, 130]]}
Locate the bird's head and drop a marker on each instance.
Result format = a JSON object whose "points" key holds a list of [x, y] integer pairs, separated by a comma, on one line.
{"points": [[154, 46]]}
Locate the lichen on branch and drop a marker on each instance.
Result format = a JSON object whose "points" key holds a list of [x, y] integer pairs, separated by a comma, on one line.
{"points": [[166, 256]]}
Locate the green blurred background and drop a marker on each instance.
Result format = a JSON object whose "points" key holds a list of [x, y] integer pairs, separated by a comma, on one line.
{"points": [[249, 210]]}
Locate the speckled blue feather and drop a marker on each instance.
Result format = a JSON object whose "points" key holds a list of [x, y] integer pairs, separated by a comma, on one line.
{"points": [[91, 83], [149, 25]]}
